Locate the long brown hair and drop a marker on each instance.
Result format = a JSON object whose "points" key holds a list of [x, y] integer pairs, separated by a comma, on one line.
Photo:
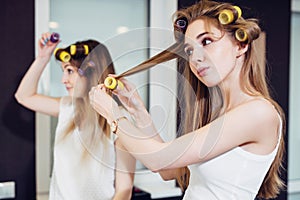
{"points": [[206, 107], [198, 104], [93, 62], [207, 102]]}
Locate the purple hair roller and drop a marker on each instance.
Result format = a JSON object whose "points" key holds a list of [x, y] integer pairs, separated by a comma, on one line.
{"points": [[54, 37], [81, 72], [181, 23], [91, 64]]}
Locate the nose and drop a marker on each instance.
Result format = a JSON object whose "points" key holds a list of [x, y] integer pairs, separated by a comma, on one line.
{"points": [[64, 78], [197, 55]]}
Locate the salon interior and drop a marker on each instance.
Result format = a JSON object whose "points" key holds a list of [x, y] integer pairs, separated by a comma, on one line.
{"points": [[133, 30]]}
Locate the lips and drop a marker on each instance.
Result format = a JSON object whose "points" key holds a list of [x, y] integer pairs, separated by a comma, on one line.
{"points": [[68, 88], [202, 71]]}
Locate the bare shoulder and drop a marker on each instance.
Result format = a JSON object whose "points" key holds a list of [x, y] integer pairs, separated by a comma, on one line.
{"points": [[262, 109], [265, 121], [65, 100]]}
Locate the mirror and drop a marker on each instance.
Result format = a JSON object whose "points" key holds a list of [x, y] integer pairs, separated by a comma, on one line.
{"points": [[120, 25]]}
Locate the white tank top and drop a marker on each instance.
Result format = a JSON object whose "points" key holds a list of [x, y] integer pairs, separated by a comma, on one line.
{"points": [[76, 174], [235, 175]]}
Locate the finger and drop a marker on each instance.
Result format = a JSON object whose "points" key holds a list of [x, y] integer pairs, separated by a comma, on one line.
{"points": [[91, 93], [41, 42], [45, 38], [120, 90], [93, 88], [112, 75], [128, 85], [120, 86], [101, 87]]}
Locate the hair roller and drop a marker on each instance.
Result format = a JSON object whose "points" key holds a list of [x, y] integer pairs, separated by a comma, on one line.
{"points": [[54, 37], [78, 50], [112, 83], [91, 64], [87, 68], [238, 10], [86, 49], [73, 49], [55, 51], [228, 16], [62, 55], [241, 35], [181, 24], [81, 72]]}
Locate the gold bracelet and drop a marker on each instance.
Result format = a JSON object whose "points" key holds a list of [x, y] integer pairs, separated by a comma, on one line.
{"points": [[114, 124]]}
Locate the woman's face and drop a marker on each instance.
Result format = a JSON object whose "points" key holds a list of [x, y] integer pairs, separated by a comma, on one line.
{"points": [[212, 55], [75, 84]]}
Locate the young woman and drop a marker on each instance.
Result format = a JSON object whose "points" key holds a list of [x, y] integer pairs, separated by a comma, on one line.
{"points": [[233, 131], [85, 157]]}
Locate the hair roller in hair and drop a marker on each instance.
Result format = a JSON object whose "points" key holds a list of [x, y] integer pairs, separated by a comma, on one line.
{"points": [[81, 72], [112, 83], [181, 23], [73, 49], [55, 51], [227, 16], [91, 64], [241, 35], [86, 49], [64, 56], [54, 37]]}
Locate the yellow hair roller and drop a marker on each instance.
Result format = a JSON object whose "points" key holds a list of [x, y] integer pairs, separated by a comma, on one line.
{"points": [[227, 16], [241, 35], [64, 56], [112, 83], [72, 49], [86, 49], [238, 10], [54, 52]]}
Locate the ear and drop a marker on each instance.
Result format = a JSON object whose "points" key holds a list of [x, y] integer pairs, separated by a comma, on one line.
{"points": [[242, 49]]}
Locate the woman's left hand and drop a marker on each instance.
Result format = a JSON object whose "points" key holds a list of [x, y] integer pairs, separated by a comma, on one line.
{"points": [[103, 103]]}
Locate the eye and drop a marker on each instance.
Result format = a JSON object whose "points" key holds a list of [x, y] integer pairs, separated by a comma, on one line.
{"points": [[188, 51], [206, 41], [70, 71]]}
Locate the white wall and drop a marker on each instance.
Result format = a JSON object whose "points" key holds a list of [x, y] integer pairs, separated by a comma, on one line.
{"points": [[43, 130], [163, 77], [105, 21], [294, 106]]}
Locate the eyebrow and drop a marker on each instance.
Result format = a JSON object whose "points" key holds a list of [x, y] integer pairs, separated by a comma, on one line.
{"points": [[67, 65], [199, 36]]}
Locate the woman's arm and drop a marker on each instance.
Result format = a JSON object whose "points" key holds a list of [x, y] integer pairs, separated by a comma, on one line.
{"points": [[125, 169], [252, 125], [26, 93], [133, 103]]}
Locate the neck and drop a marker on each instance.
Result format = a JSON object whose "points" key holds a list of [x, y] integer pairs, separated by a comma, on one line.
{"points": [[231, 90]]}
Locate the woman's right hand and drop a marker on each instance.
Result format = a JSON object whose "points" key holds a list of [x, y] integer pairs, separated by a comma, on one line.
{"points": [[131, 100], [45, 46]]}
